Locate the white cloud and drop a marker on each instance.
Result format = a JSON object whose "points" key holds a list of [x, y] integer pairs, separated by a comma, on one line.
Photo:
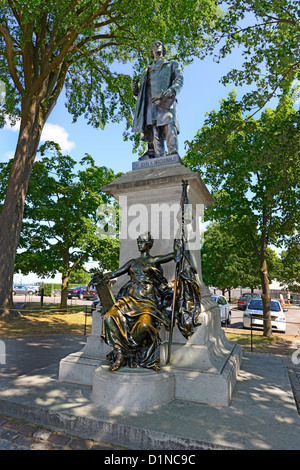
{"points": [[52, 132], [15, 127], [59, 135]]}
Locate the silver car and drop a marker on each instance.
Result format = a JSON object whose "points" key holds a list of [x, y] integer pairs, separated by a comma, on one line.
{"points": [[224, 308], [23, 290]]}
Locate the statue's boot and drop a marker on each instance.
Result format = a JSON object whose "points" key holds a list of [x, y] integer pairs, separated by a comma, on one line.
{"points": [[119, 362], [150, 153]]}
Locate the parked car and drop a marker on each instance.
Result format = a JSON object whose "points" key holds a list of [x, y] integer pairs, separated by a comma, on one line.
{"points": [[35, 289], [82, 293], [224, 308], [22, 290], [244, 300], [254, 315]]}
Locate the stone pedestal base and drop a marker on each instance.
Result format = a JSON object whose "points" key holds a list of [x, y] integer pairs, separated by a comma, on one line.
{"points": [[208, 386], [80, 367], [203, 369], [139, 389], [132, 389]]}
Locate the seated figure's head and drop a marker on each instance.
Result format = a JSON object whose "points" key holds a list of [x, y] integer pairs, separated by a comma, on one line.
{"points": [[145, 240]]}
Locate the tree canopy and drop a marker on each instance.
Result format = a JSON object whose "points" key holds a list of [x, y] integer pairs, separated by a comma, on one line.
{"points": [[77, 43], [46, 45], [253, 167], [267, 33], [290, 271], [59, 232], [228, 261]]}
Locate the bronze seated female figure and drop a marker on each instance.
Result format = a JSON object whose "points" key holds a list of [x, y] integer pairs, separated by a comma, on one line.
{"points": [[132, 324]]}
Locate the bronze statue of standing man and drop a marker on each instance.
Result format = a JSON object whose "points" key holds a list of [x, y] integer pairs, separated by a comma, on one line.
{"points": [[156, 113]]}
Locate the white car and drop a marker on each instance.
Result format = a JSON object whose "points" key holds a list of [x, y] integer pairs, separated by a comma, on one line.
{"points": [[224, 308], [254, 314]]}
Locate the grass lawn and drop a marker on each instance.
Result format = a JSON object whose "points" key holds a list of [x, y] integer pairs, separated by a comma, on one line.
{"points": [[275, 345], [46, 322]]}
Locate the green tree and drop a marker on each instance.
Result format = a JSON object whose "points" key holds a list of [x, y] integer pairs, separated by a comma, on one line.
{"points": [[290, 272], [46, 44], [267, 34], [224, 259], [61, 216], [253, 168], [80, 276], [229, 262]]}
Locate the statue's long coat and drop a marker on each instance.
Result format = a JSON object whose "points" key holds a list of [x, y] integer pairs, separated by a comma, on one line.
{"points": [[162, 76]]}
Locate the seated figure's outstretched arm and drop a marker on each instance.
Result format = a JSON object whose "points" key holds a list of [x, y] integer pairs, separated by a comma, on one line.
{"points": [[118, 272]]}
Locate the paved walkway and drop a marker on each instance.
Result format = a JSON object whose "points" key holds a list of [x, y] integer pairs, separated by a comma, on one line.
{"points": [[34, 353], [17, 434], [262, 414]]}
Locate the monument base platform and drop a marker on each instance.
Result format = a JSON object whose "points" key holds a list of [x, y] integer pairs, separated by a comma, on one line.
{"points": [[132, 389], [79, 367], [203, 373], [140, 389]]}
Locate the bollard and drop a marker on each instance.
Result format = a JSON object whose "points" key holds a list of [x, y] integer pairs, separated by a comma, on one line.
{"points": [[251, 334]]}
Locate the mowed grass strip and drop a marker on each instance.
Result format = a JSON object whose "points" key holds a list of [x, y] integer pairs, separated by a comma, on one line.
{"points": [[46, 323], [276, 344]]}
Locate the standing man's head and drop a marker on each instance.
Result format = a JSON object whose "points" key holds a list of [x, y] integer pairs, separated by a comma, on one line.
{"points": [[157, 49]]}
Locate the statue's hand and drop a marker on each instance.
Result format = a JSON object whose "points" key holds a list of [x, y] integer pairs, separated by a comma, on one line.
{"points": [[170, 93], [135, 87], [178, 250]]}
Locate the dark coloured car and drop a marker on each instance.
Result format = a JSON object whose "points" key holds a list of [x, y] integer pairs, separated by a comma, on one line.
{"points": [[81, 292], [244, 300]]}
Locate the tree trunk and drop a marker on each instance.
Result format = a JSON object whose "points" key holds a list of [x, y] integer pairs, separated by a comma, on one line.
{"points": [[65, 277], [64, 290], [266, 300], [13, 209]]}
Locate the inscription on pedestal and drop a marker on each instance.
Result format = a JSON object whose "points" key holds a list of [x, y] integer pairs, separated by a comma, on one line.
{"points": [[152, 162]]}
